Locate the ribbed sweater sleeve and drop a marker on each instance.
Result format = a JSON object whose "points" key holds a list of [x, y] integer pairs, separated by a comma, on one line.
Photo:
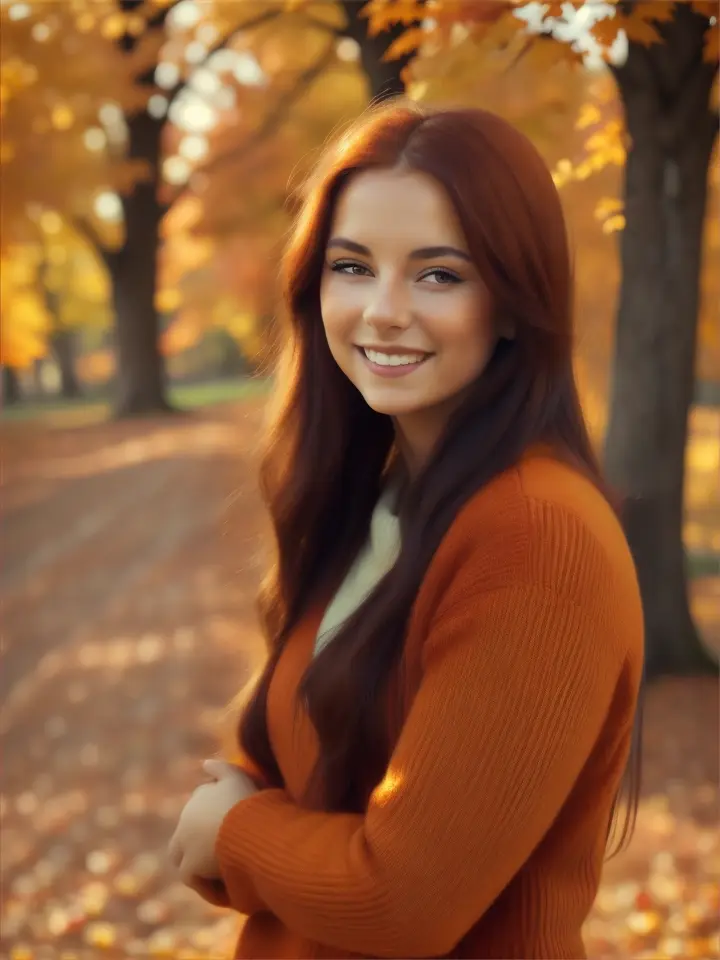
{"points": [[517, 684], [236, 890]]}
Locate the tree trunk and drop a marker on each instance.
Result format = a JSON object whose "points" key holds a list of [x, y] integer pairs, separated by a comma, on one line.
{"points": [[62, 339], [383, 77], [36, 370], [11, 394], [62, 342], [665, 90], [140, 374]]}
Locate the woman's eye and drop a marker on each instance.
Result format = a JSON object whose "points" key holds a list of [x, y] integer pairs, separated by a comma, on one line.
{"points": [[442, 277], [349, 268]]}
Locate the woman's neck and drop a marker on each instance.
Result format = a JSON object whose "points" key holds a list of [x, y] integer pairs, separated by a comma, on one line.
{"points": [[416, 436]]}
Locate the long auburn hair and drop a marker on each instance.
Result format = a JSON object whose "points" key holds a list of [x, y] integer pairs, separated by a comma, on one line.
{"points": [[327, 450]]}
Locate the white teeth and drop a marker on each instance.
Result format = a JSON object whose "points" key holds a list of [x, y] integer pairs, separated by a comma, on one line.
{"points": [[393, 359]]}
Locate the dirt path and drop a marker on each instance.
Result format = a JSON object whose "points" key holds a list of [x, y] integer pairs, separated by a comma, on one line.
{"points": [[130, 562]]}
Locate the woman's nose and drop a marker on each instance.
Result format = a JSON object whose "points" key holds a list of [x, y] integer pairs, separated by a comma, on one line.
{"points": [[388, 308]]}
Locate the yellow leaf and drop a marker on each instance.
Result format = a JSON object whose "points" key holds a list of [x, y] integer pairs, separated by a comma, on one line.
{"points": [[168, 300], [605, 31], [589, 115], [100, 935], [383, 14], [62, 117], [544, 53], [19, 952], [135, 24], [583, 170], [706, 8], [608, 206], [113, 27], [471, 11], [644, 922], [614, 224], [85, 23], [661, 12], [504, 30], [417, 89], [563, 169], [50, 222], [640, 31], [407, 42]]}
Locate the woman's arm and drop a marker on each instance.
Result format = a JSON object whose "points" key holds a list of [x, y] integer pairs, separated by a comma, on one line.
{"points": [[516, 688]]}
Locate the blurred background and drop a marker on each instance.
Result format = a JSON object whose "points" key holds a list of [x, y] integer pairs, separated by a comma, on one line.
{"points": [[150, 154]]}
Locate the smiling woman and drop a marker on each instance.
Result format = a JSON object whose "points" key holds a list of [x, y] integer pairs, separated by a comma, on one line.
{"points": [[433, 755], [407, 318]]}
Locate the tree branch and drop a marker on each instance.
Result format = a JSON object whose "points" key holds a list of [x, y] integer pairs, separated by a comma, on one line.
{"points": [[276, 115], [221, 44], [677, 75]]}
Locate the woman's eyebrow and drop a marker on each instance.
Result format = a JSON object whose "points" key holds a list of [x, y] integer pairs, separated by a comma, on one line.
{"points": [[424, 253]]}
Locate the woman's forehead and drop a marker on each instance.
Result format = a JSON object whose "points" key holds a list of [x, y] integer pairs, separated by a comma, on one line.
{"points": [[392, 206]]}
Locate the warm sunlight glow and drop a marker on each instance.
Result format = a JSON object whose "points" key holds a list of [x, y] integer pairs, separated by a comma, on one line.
{"points": [[185, 15], [19, 11], [205, 82], [176, 170], [248, 71], [167, 75], [387, 788], [41, 32], [62, 117], [195, 52], [193, 115], [50, 222], [108, 206], [207, 34], [193, 148], [94, 138], [157, 106], [348, 50]]}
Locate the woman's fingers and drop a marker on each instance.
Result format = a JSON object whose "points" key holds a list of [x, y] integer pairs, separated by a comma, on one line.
{"points": [[220, 769]]}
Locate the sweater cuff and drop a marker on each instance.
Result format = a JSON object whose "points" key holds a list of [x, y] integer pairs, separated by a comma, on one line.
{"points": [[242, 821]]}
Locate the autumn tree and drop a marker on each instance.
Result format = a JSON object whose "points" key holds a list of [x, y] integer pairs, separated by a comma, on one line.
{"points": [[140, 43], [665, 89], [25, 322]]}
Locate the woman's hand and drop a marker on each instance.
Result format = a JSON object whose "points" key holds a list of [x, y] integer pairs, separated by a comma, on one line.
{"points": [[192, 847]]}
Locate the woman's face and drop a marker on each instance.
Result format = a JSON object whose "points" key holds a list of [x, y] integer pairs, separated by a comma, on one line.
{"points": [[406, 314]]}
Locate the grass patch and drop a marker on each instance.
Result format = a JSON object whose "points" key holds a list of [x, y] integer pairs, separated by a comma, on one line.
{"points": [[191, 396], [94, 409], [702, 564]]}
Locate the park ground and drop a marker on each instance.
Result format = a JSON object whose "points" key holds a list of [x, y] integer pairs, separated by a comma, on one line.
{"points": [[130, 561]]}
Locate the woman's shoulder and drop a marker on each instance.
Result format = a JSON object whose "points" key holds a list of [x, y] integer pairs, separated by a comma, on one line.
{"points": [[541, 524]]}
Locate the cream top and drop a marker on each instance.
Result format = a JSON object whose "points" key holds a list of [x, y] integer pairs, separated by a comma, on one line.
{"points": [[374, 560]]}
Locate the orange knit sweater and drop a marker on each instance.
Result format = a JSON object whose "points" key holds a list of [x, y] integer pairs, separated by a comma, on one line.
{"points": [[487, 836]]}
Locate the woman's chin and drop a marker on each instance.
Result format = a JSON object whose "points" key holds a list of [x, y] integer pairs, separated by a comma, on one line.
{"points": [[392, 406]]}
